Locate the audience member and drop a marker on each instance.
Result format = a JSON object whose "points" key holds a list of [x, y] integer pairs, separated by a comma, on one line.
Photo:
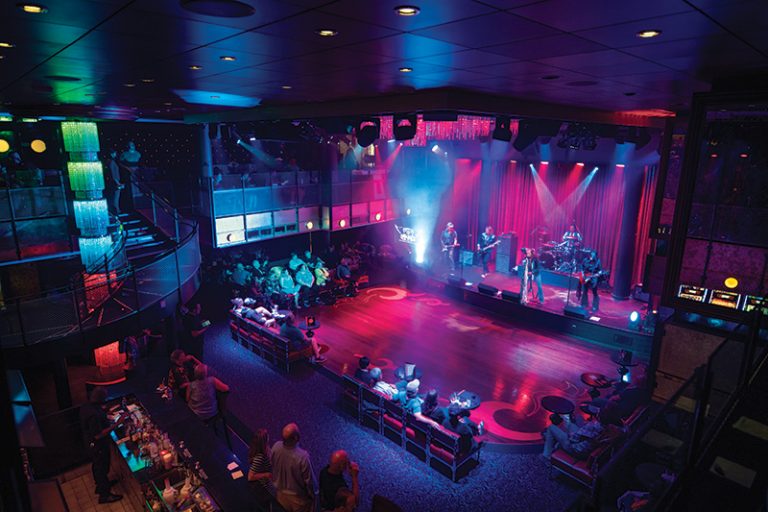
{"points": [[431, 408], [296, 339], [413, 403], [201, 393], [96, 429], [332, 479], [194, 329], [112, 183], [295, 262], [454, 423], [260, 468], [362, 374], [576, 437], [292, 472], [385, 388], [182, 370]]}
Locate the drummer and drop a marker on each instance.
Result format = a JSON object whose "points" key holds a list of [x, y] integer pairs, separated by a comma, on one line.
{"points": [[572, 237]]}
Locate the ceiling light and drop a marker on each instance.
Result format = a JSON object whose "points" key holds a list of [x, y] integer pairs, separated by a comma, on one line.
{"points": [[195, 67], [648, 33], [407, 10], [228, 58], [6, 44], [129, 84], [147, 80], [167, 103], [286, 87], [33, 8], [327, 32], [406, 70], [38, 146]]}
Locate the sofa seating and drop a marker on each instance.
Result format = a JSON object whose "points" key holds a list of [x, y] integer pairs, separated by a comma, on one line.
{"points": [[266, 342]]}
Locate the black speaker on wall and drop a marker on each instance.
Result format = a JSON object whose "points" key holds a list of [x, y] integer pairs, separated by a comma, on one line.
{"points": [[487, 290]]}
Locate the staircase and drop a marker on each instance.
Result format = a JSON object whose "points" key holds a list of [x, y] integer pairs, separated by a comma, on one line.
{"points": [[143, 240]]}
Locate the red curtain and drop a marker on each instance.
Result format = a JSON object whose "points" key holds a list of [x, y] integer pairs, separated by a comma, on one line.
{"points": [[643, 240], [461, 202], [522, 203]]}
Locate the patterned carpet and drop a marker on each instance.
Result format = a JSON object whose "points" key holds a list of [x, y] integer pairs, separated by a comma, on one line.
{"points": [[263, 397]]}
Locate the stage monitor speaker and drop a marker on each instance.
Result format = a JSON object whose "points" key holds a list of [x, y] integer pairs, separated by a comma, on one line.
{"points": [[575, 311], [510, 296], [487, 290], [456, 281]]}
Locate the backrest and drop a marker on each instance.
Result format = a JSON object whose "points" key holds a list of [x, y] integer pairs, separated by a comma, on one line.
{"points": [[393, 409], [351, 385], [445, 439], [371, 396], [417, 425]]}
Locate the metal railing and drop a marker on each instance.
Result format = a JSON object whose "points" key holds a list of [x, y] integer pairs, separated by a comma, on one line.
{"points": [[64, 312]]}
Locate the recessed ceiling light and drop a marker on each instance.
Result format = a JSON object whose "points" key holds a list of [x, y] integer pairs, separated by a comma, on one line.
{"points": [[228, 58], [550, 77], [407, 10], [167, 103], [6, 44], [147, 80], [195, 67], [33, 8], [129, 84], [327, 32], [406, 70], [648, 33], [286, 87]]}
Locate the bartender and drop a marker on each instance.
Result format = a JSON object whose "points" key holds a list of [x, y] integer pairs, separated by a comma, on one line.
{"points": [[96, 433]]}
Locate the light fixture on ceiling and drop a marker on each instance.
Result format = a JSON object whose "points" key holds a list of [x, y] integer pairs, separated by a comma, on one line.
{"points": [[129, 84], [219, 8], [6, 44], [38, 146], [147, 80], [228, 58], [167, 103], [406, 69], [648, 33], [327, 32], [286, 87], [32, 8], [195, 67], [407, 10]]}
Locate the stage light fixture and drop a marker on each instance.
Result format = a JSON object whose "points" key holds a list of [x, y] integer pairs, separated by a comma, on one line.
{"points": [[4, 146], [309, 224], [38, 146], [634, 321], [407, 10], [579, 164], [404, 126], [529, 130], [435, 149], [147, 80], [342, 223], [327, 32], [6, 44], [33, 8], [377, 216], [286, 87], [408, 211], [544, 162], [129, 84], [368, 130], [501, 130], [743, 155], [731, 282]]}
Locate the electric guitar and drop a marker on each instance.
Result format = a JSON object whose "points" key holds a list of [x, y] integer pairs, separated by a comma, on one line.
{"points": [[448, 246], [589, 280], [482, 250]]}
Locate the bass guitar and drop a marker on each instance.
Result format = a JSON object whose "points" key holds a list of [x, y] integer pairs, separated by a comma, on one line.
{"points": [[483, 250], [449, 246], [592, 279]]}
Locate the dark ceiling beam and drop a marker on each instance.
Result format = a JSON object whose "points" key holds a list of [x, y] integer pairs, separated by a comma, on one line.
{"points": [[451, 99]]}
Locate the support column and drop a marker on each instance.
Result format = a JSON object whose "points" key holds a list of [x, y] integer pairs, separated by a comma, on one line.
{"points": [[484, 201], [206, 156], [633, 189], [61, 382]]}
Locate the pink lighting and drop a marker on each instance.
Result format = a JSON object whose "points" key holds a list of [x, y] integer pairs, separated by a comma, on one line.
{"points": [[713, 155], [544, 163], [619, 166], [579, 164], [743, 155], [378, 216]]}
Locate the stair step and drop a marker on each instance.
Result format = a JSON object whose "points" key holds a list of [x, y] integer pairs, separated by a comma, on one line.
{"points": [[137, 247]]}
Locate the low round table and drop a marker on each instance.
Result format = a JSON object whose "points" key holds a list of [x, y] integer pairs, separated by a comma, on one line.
{"points": [[557, 404], [596, 382], [470, 399]]}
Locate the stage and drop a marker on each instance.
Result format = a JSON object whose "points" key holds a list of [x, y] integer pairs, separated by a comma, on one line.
{"points": [[458, 346]]}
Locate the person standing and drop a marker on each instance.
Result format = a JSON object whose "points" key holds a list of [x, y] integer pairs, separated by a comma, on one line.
{"points": [[292, 472], [591, 274], [194, 330], [260, 468], [112, 183], [332, 479], [485, 246], [532, 265], [449, 240], [96, 432]]}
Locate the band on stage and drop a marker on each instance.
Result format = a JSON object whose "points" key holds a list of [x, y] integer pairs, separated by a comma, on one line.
{"points": [[567, 256]]}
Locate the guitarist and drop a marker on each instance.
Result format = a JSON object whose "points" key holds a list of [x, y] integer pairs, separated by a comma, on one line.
{"points": [[450, 240], [591, 272], [485, 245]]}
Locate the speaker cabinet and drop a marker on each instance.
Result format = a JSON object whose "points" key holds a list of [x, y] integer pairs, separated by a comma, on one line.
{"points": [[510, 296], [575, 311], [456, 281], [507, 253], [487, 290]]}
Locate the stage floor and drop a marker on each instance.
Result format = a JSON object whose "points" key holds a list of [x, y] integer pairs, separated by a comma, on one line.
{"points": [[612, 313], [459, 347]]}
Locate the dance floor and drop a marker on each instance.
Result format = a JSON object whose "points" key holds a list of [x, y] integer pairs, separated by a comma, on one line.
{"points": [[460, 347]]}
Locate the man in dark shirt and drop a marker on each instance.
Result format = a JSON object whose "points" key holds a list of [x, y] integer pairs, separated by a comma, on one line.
{"points": [[296, 339], [534, 274], [362, 374], [455, 424], [449, 241], [182, 370], [112, 183], [485, 247], [96, 429], [332, 479], [590, 277], [194, 330]]}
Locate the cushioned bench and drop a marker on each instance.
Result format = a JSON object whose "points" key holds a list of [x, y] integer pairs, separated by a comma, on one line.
{"points": [[266, 342], [437, 447]]}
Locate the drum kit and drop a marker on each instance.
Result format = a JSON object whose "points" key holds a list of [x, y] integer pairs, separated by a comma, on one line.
{"points": [[562, 256]]}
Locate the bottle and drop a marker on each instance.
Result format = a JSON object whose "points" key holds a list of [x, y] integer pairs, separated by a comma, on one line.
{"points": [[169, 493]]}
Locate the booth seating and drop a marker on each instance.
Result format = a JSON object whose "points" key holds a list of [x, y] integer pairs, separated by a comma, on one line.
{"points": [[437, 447], [266, 342], [585, 470]]}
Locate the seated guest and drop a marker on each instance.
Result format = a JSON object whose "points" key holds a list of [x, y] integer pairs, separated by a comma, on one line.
{"points": [[406, 373], [624, 400], [201, 393], [295, 262], [431, 408], [343, 271], [182, 369], [260, 468], [413, 403], [248, 309], [296, 339], [454, 423], [305, 279], [289, 287], [577, 437], [332, 479], [362, 374], [344, 501], [385, 388]]}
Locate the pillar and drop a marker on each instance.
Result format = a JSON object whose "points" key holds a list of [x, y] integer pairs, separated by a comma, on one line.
{"points": [[206, 156], [61, 382], [633, 189]]}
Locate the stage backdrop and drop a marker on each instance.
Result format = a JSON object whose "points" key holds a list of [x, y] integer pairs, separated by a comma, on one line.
{"points": [[556, 194]]}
